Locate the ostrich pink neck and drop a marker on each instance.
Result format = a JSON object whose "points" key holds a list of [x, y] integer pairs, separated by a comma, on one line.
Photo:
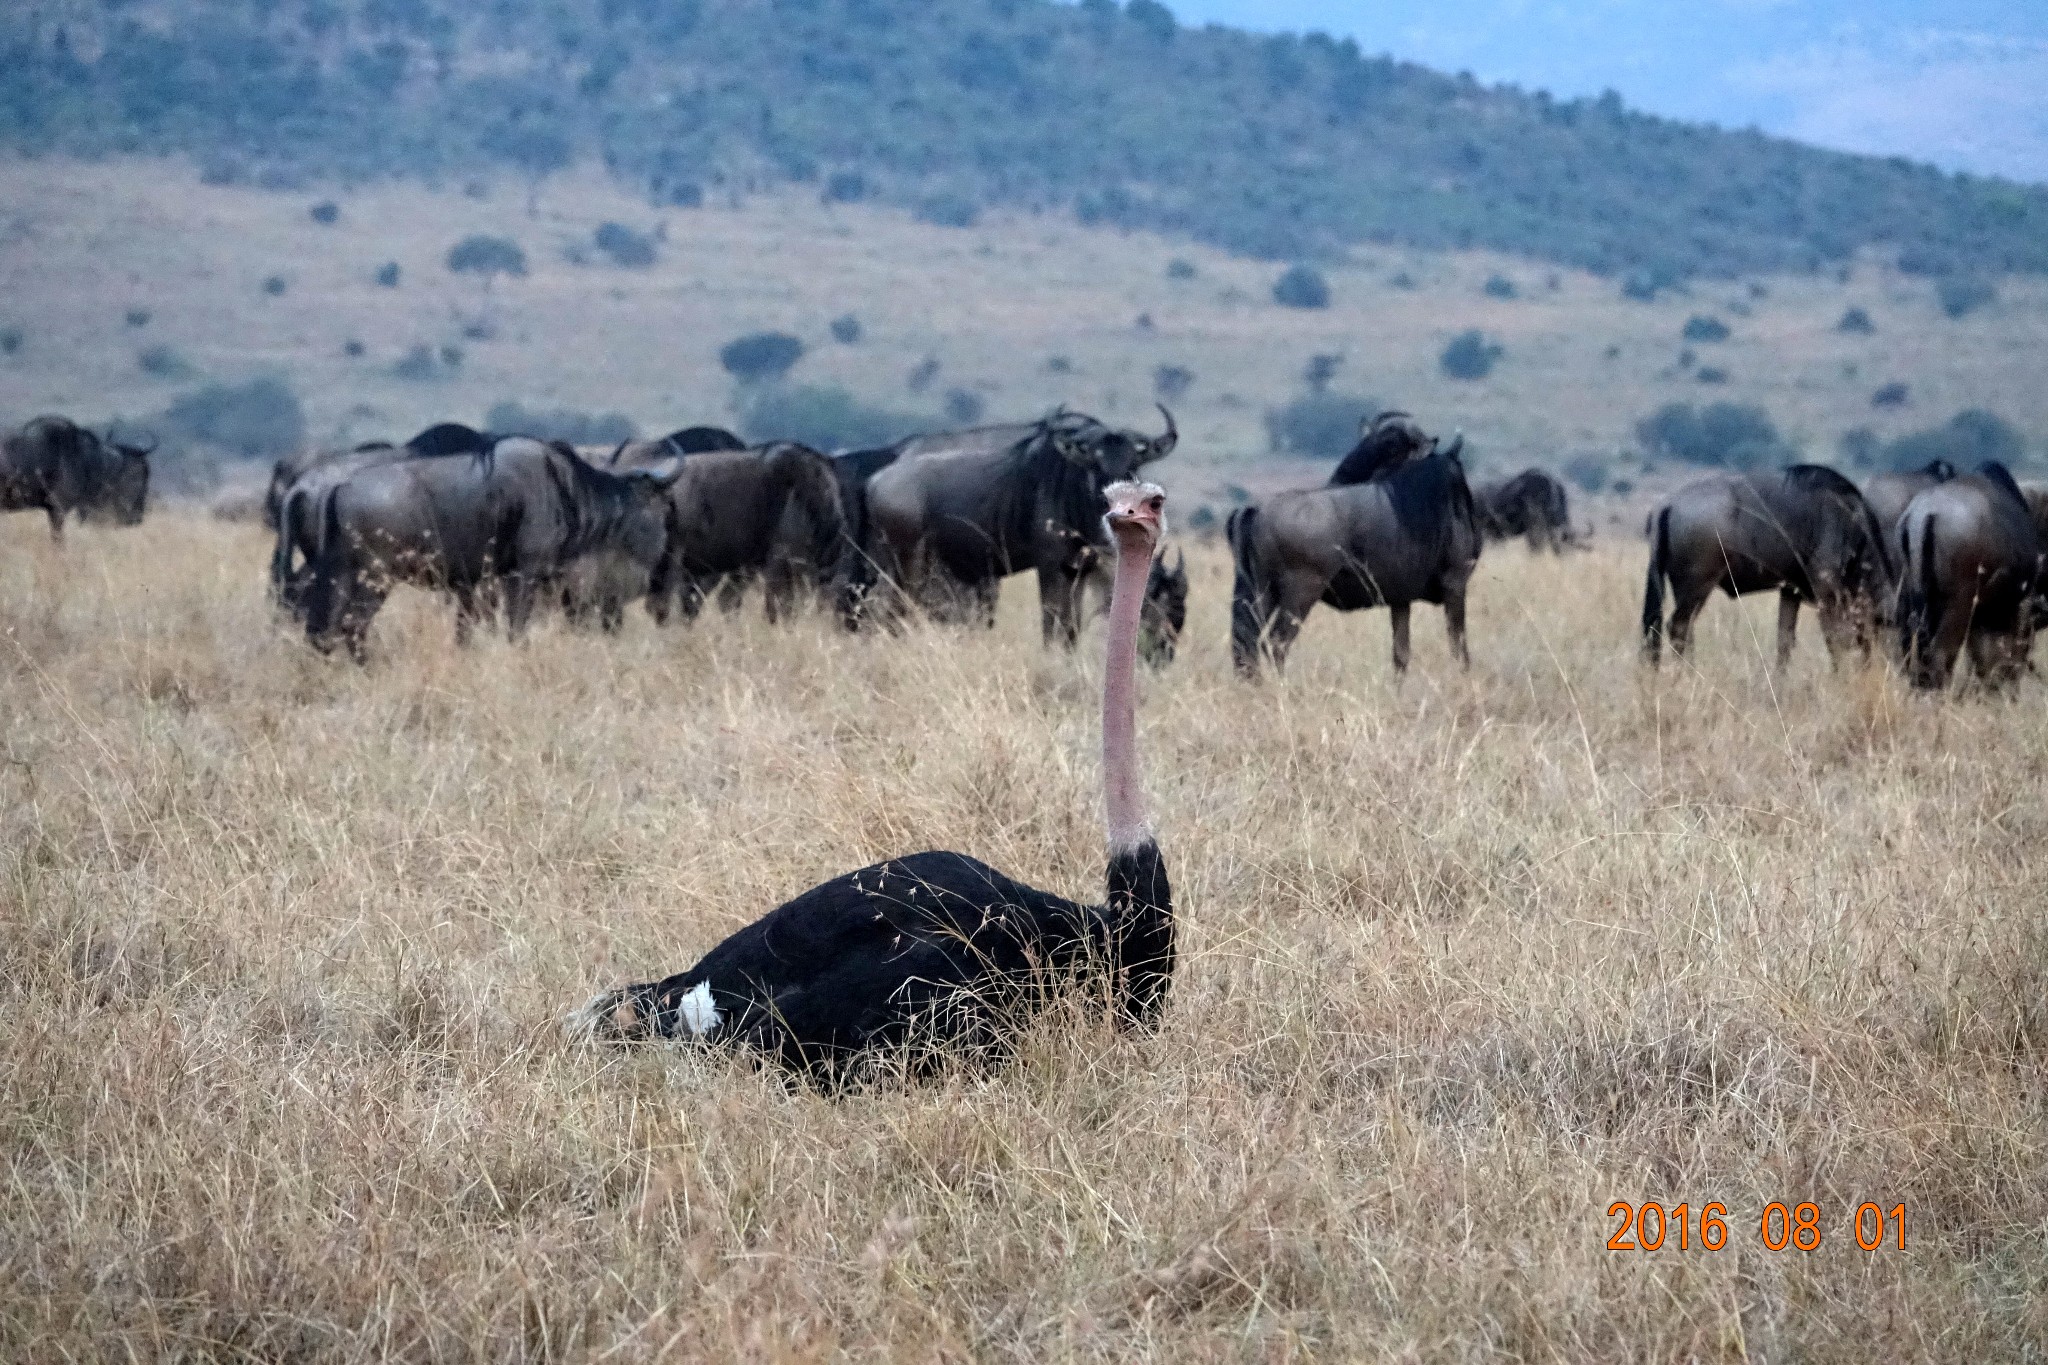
{"points": [[1125, 802]]}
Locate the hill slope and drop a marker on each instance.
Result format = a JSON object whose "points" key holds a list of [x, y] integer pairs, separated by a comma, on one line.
{"points": [[1273, 146]]}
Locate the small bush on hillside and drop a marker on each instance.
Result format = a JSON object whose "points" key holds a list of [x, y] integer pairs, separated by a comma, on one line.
{"points": [[826, 417], [387, 274], [1892, 395], [1179, 269], [1499, 287], [1470, 356], [949, 210], [481, 254], [1058, 364], [1320, 370], [624, 246], [1401, 279], [1856, 322], [964, 407], [422, 364], [760, 356], [1302, 287], [1962, 295], [352, 348], [138, 317], [274, 286], [325, 213], [1589, 472], [845, 187], [1712, 374], [259, 419], [846, 330], [1700, 327], [922, 375], [1171, 382], [1317, 425], [560, 424], [1966, 440], [1733, 435], [10, 340], [165, 363]]}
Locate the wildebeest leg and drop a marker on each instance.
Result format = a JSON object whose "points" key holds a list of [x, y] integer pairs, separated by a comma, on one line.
{"points": [[1399, 613], [1788, 625], [986, 595], [1685, 609], [466, 613], [732, 591], [1454, 623], [1997, 656], [1947, 642], [1297, 592], [519, 592], [1058, 617], [56, 515]]}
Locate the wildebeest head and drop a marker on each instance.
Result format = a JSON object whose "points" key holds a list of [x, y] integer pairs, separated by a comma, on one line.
{"points": [[1385, 442], [1166, 610], [1111, 453], [643, 523], [128, 483]]}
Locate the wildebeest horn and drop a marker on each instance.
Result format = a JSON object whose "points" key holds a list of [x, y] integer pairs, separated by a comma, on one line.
{"points": [[1457, 445], [1180, 563], [1163, 447]]}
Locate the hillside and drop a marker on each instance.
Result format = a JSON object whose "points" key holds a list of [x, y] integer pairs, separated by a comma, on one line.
{"points": [[129, 289], [1272, 146]]}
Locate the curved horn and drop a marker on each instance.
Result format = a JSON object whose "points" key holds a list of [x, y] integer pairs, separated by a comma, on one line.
{"points": [[1163, 447], [1456, 446]]}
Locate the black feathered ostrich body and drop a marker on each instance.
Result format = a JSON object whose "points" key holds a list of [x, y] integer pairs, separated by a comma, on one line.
{"points": [[939, 952]]}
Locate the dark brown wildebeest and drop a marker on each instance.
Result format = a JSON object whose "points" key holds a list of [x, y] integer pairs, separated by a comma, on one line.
{"points": [[55, 465], [298, 482], [955, 513], [734, 514], [1805, 531], [512, 518], [1165, 614], [600, 584], [1409, 534], [1889, 493], [1974, 567], [1533, 504], [1384, 441]]}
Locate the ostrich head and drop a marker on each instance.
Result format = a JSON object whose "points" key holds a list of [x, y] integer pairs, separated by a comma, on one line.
{"points": [[1136, 519]]}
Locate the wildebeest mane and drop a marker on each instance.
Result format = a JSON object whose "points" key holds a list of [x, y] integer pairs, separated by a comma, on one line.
{"points": [[1039, 479], [1819, 478], [451, 438], [1386, 444], [698, 440], [1995, 473], [1428, 496]]}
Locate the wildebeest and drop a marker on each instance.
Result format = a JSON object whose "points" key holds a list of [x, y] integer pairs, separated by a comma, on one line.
{"points": [[1384, 441], [513, 518], [1408, 534], [955, 513], [1973, 560], [298, 482], [767, 511], [1165, 613], [1805, 531], [1532, 504], [56, 465], [1889, 493]]}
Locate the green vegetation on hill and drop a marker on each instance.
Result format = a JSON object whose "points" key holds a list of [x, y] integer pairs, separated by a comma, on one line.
{"points": [[1274, 146]]}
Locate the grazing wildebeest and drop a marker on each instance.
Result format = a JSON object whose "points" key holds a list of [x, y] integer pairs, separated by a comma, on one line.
{"points": [[600, 584], [1974, 565], [61, 468], [513, 518], [734, 514], [853, 573], [1166, 611], [1409, 534], [298, 482], [1889, 493], [1805, 531], [1532, 504], [955, 513]]}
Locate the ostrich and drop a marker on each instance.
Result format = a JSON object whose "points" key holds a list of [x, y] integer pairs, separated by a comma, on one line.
{"points": [[940, 952]]}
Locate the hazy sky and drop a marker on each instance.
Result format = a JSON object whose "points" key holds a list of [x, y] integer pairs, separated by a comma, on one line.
{"points": [[1962, 83]]}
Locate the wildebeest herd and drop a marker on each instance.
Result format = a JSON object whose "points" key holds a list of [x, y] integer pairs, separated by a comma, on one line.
{"points": [[939, 951]]}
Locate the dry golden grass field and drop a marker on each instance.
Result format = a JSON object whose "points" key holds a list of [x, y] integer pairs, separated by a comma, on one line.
{"points": [[284, 943]]}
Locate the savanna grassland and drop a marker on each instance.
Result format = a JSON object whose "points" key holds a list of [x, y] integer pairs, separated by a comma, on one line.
{"points": [[1467, 959]]}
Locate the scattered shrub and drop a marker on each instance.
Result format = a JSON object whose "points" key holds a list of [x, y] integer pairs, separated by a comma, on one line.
{"points": [[845, 187], [138, 317], [1500, 287], [1302, 287], [274, 286], [964, 407], [1589, 472], [561, 424], [1700, 327], [846, 330], [1860, 447], [1179, 269], [259, 419], [352, 348], [1892, 395], [949, 210], [1856, 322], [479, 329], [164, 363], [325, 213], [1712, 374], [679, 194], [1058, 364], [1171, 382], [1319, 425], [1144, 322], [421, 365], [1320, 370], [1401, 279], [10, 340], [760, 356], [922, 376], [387, 274], [625, 246], [1724, 434], [1470, 356], [826, 417], [481, 254], [1966, 440], [1962, 295], [1687, 358]]}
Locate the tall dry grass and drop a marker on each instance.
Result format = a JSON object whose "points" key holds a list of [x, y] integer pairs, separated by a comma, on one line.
{"points": [[283, 944]]}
